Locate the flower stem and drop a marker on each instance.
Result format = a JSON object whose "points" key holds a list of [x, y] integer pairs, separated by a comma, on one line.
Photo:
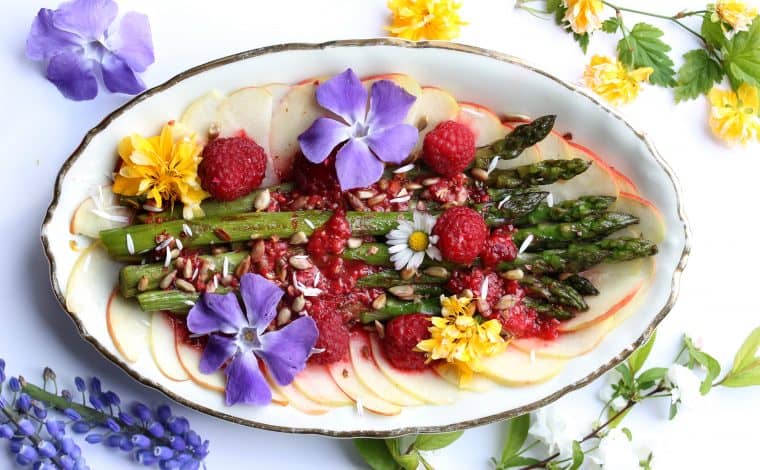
{"points": [[35, 439], [60, 403], [674, 19]]}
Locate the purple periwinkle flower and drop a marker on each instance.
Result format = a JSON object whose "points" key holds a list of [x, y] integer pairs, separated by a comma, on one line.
{"points": [[242, 339], [371, 138], [80, 41]]}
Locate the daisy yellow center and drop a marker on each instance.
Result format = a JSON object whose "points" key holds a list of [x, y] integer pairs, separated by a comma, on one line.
{"points": [[418, 241]]}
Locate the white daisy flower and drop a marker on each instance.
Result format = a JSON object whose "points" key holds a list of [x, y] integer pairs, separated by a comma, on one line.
{"points": [[411, 241]]}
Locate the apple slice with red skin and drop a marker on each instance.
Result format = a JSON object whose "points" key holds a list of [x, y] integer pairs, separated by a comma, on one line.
{"points": [[201, 114], [598, 179], [516, 368], [424, 384], [291, 396], [163, 348], [406, 82], [567, 345], [530, 155], [370, 376], [316, 383], [90, 224], [128, 326], [478, 382], [484, 124], [344, 375], [433, 107], [638, 300], [624, 183], [651, 222]]}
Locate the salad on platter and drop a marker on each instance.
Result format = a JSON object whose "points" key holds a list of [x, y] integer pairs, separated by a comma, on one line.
{"points": [[363, 242]]}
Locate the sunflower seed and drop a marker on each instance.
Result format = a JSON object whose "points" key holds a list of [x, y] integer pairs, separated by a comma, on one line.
{"points": [[283, 316], [262, 200], [243, 267], [430, 181], [437, 271], [513, 274], [380, 328], [402, 292], [483, 307], [167, 280], [354, 243], [505, 302], [404, 169], [413, 186], [300, 262], [187, 270], [467, 293], [376, 199], [298, 304], [355, 202], [379, 301], [365, 193], [299, 238], [407, 273], [142, 284], [257, 252], [184, 285], [479, 174]]}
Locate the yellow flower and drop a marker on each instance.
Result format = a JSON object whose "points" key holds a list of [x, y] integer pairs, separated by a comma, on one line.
{"points": [[584, 16], [611, 80], [425, 19], [457, 337], [734, 116], [734, 13], [162, 168]]}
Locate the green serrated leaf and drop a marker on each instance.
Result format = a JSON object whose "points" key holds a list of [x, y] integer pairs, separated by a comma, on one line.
{"points": [[436, 441], [578, 456], [742, 56], [697, 75], [651, 376], [713, 32], [582, 40], [559, 14], [516, 436], [519, 461], [375, 453], [642, 47], [637, 359], [611, 25], [553, 5], [745, 371]]}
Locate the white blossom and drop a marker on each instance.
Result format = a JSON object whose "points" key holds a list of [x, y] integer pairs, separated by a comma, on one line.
{"points": [[615, 452], [557, 433], [684, 385]]}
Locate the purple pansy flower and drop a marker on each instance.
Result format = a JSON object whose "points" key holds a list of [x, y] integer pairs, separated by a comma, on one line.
{"points": [[371, 137], [79, 43], [243, 339]]}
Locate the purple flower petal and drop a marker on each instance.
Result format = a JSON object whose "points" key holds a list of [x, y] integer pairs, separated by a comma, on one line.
{"points": [[87, 18], [45, 40], [245, 382], [132, 42], [73, 75], [321, 138], [286, 350], [345, 96], [260, 297], [216, 313], [388, 104], [218, 350], [393, 144], [356, 166], [118, 77]]}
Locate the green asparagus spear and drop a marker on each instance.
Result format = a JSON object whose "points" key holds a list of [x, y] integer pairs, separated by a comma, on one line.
{"points": [[550, 310], [553, 291], [394, 308], [390, 278], [512, 206], [543, 172], [566, 211], [581, 284], [170, 300], [514, 143], [591, 227]]}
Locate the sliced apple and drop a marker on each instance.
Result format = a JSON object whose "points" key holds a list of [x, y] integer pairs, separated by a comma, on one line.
{"points": [[93, 216], [404, 81], [190, 358], [316, 383], [638, 300], [624, 183], [618, 283], [529, 155], [424, 385], [78, 286], [598, 179], [202, 113], [478, 383], [162, 346], [516, 368], [296, 399], [484, 124], [128, 326], [344, 375], [554, 147], [432, 108], [567, 345], [371, 377], [651, 222], [278, 92]]}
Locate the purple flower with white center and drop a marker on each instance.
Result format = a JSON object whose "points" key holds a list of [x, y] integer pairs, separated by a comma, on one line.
{"points": [[80, 41], [371, 138], [241, 339]]}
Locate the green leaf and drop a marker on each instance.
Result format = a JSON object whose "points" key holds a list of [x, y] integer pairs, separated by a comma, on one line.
{"points": [[742, 56], [611, 25], [745, 371], [582, 40], [649, 377], [406, 461], [553, 5], [375, 453], [637, 359], [642, 47], [578, 456], [707, 361], [673, 411], [436, 441], [518, 433], [713, 32], [518, 461], [625, 373], [618, 418], [697, 75], [627, 433]]}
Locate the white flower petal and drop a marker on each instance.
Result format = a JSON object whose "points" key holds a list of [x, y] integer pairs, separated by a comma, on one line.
{"points": [[397, 248], [401, 259], [416, 260], [433, 252]]}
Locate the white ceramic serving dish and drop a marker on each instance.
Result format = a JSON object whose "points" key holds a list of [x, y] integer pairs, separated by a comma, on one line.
{"points": [[495, 80]]}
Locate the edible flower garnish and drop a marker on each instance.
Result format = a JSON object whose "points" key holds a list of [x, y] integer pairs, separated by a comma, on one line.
{"points": [[411, 241], [735, 116], [371, 137], [611, 80], [584, 16], [163, 168], [79, 43], [242, 339], [457, 337], [734, 13], [425, 19]]}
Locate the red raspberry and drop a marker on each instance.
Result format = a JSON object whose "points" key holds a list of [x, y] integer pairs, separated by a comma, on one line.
{"points": [[232, 167], [462, 232], [498, 247], [473, 280], [401, 336], [331, 238], [449, 148], [524, 322], [333, 332], [316, 178]]}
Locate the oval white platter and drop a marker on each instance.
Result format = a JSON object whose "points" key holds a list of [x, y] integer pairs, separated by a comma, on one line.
{"points": [[470, 74]]}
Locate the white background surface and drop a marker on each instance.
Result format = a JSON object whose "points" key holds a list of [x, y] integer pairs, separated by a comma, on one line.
{"points": [[39, 128]]}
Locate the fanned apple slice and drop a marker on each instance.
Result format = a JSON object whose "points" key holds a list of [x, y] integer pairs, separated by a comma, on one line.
{"points": [[296, 399], [554, 147], [624, 183], [406, 82], [432, 108], [78, 286], [163, 348], [516, 368], [618, 283], [478, 383], [278, 92], [598, 180], [424, 385], [316, 383], [638, 300], [651, 222], [202, 113], [190, 358], [344, 375], [128, 326], [567, 345], [371, 377], [484, 124], [91, 217]]}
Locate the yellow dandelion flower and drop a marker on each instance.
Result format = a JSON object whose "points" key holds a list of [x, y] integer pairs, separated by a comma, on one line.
{"points": [[734, 13], [163, 168], [611, 80], [584, 16], [458, 338], [425, 19], [735, 116]]}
